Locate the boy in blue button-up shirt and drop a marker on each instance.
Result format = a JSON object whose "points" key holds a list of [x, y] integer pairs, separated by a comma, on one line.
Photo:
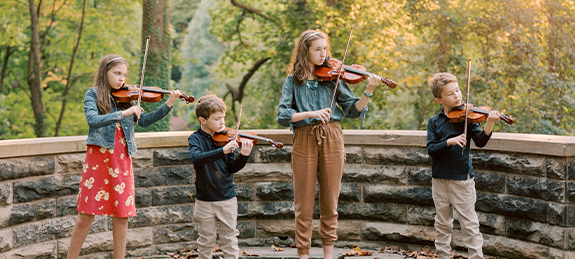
{"points": [[452, 183]]}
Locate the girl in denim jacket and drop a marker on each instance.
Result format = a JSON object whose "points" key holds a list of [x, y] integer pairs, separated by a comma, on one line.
{"points": [[107, 185]]}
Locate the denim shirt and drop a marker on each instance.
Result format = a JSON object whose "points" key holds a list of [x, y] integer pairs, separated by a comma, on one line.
{"points": [[102, 127], [300, 98]]}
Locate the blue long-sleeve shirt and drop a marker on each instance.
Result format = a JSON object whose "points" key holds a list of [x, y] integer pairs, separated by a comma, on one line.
{"points": [[214, 169], [447, 161]]}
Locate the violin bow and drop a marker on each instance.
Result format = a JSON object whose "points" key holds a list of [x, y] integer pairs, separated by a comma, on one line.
{"points": [[237, 127], [143, 70], [340, 68], [467, 102]]}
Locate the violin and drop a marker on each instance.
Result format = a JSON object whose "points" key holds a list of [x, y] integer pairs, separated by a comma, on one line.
{"points": [[149, 94], [475, 115], [353, 74], [223, 137]]}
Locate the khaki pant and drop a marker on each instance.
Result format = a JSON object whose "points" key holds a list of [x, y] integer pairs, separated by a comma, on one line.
{"points": [[206, 214], [459, 195], [318, 155]]}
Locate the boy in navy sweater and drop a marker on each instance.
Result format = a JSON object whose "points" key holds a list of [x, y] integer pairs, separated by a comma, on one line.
{"points": [[453, 186], [215, 188]]}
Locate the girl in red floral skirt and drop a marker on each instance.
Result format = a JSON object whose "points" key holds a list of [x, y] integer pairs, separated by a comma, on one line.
{"points": [[107, 185]]}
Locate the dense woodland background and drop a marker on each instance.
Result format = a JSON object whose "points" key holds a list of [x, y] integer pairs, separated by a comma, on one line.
{"points": [[522, 51]]}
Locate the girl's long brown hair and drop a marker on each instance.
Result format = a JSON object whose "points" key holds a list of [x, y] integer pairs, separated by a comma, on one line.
{"points": [[299, 65], [103, 89]]}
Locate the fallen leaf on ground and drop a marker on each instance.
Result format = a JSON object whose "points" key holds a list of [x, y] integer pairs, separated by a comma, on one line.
{"points": [[248, 254], [277, 248], [292, 246], [217, 248], [357, 252]]}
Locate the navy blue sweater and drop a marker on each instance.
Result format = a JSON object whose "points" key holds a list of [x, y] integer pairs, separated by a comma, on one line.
{"points": [[214, 169], [447, 161]]}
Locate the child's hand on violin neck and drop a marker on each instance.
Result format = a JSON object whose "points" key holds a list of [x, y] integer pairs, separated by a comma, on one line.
{"points": [[231, 145], [247, 145], [493, 116], [459, 140], [175, 95], [322, 114], [136, 110], [374, 81]]}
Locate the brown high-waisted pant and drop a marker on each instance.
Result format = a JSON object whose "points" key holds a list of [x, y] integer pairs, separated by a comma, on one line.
{"points": [[318, 154]]}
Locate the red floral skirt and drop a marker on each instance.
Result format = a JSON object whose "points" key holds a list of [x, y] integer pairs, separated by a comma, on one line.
{"points": [[107, 185]]}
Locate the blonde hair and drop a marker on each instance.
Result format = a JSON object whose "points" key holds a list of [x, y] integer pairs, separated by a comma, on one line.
{"points": [[209, 104], [103, 89], [438, 81], [299, 65]]}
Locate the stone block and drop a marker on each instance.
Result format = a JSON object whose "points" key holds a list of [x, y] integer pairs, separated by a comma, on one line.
{"points": [[398, 194], [533, 165], [172, 156], [247, 229], [361, 173], [540, 233], [349, 230], [70, 163], [570, 215], [172, 195], [570, 239], [491, 223], [32, 211], [273, 155], [6, 236], [245, 191], [277, 172], [396, 156], [172, 214], [557, 214], [25, 167], [350, 192], [571, 192], [40, 188], [513, 249], [143, 197], [489, 181], [389, 212], [52, 229], [267, 210], [419, 176], [353, 155], [275, 228], [275, 191], [47, 250], [159, 176], [6, 193], [5, 213], [392, 232], [66, 205], [94, 243], [140, 237], [570, 165], [417, 215], [142, 158], [175, 233], [536, 187], [512, 206]]}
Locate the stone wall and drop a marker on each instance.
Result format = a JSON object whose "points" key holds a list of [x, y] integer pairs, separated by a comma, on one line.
{"points": [[525, 195]]}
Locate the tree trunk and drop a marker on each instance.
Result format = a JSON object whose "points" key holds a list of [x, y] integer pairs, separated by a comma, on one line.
{"points": [[156, 23], [34, 76], [69, 77], [443, 37], [3, 73]]}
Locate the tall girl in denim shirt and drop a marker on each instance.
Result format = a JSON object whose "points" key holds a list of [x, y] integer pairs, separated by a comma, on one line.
{"points": [[318, 152], [107, 185]]}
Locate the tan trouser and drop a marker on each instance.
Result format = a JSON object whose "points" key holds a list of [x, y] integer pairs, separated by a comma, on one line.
{"points": [[206, 213], [459, 195], [318, 154]]}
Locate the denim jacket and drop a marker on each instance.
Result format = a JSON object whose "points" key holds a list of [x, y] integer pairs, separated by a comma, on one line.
{"points": [[102, 127]]}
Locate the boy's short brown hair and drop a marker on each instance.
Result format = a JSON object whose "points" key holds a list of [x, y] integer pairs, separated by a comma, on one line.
{"points": [[209, 104], [438, 81]]}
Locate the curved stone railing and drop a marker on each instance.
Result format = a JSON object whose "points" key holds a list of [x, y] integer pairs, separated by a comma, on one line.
{"points": [[525, 195]]}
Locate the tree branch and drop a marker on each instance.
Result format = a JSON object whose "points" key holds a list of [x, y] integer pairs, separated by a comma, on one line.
{"points": [[69, 77], [238, 94], [18, 83], [252, 10]]}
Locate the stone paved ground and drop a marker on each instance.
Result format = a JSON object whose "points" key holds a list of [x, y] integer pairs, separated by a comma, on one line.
{"points": [[316, 252]]}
